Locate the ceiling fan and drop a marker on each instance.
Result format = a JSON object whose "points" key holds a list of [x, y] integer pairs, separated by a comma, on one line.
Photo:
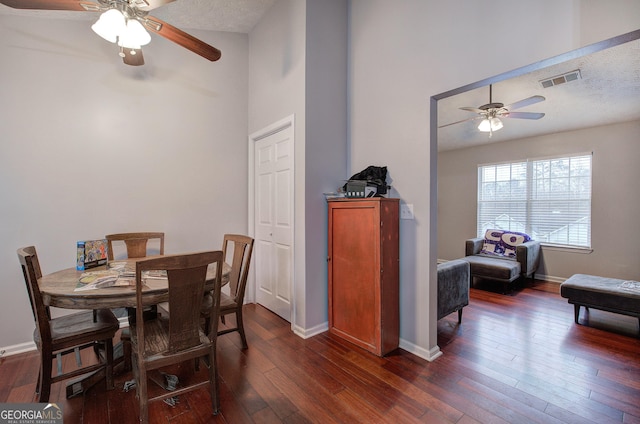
{"points": [[125, 22], [491, 113]]}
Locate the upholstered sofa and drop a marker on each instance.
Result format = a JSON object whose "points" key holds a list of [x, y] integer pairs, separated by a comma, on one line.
{"points": [[504, 256], [454, 279]]}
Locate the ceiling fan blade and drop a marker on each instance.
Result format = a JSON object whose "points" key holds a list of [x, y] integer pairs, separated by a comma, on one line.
{"points": [[525, 102], [148, 5], [459, 122], [48, 4], [132, 57], [473, 109], [522, 115], [182, 38]]}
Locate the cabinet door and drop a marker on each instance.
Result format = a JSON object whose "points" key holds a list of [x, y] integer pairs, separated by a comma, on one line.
{"points": [[355, 272]]}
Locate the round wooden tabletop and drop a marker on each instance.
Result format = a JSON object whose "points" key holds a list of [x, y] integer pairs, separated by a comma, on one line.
{"points": [[59, 290]]}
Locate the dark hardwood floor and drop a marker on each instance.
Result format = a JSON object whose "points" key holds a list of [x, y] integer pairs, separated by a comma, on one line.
{"points": [[516, 358]]}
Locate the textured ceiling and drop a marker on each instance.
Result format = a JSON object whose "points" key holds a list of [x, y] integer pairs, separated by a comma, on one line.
{"points": [[607, 93], [215, 15]]}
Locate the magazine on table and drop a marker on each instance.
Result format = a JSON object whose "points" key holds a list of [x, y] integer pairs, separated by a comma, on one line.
{"points": [[100, 279], [114, 277]]}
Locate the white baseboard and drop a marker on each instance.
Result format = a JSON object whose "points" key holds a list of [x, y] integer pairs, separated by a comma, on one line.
{"points": [[305, 333], [550, 278], [429, 355], [18, 348]]}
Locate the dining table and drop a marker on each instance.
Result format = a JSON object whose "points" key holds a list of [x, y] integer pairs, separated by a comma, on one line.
{"points": [[64, 289]]}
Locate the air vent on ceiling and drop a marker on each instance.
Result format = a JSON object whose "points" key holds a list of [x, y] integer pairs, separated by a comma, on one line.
{"points": [[561, 79]]}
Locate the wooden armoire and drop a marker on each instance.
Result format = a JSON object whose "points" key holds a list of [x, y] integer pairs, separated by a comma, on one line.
{"points": [[363, 260]]}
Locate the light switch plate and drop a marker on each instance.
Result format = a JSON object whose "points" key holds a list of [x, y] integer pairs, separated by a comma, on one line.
{"points": [[406, 211]]}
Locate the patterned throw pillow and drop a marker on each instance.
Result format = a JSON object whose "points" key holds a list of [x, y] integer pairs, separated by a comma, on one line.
{"points": [[502, 242]]}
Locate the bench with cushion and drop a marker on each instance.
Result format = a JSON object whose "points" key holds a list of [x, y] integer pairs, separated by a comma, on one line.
{"points": [[607, 294], [503, 256]]}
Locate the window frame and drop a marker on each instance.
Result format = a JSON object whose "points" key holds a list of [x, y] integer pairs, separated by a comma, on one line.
{"points": [[517, 188]]}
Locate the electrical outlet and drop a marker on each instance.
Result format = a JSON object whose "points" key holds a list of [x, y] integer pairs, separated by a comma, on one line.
{"points": [[406, 211]]}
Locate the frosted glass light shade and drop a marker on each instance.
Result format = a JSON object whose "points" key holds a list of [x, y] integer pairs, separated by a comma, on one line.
{"points": [[134, 35], [110, 25], [489, 125]]}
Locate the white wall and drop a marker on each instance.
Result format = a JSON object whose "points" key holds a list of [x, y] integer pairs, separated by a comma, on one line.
{"points": [[405, 51], [615, 198], [91, 146], [600, 20]]}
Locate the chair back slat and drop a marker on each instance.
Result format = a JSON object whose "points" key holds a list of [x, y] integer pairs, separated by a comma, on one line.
{"points": [[185, 290], [31, 271], [242, 249], [136, 248], [136, 243]]}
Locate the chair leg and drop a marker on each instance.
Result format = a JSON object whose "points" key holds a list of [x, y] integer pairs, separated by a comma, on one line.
{"points": [[126, 352], [39, 382], [206, 325], [240, 325], [109, 367], [45, 376], [213, 381], [459, 315], [143, 402]]}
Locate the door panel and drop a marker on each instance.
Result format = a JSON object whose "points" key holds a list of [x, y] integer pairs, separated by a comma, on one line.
{"points": [[274, 221]]}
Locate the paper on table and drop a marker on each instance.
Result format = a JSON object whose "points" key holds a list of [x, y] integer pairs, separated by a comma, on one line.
{"points": [[114, 278], [158, 275], [101, 279], [124, 269]]}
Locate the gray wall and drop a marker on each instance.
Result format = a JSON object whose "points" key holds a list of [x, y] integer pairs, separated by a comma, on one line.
{"points": [[298, 66], [91, 146], [326, 141], [615, 198], [276, 91]]}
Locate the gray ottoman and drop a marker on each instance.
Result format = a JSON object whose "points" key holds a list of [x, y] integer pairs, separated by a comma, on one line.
{"points": [[505, 270], [607, 294], [493, 268]]}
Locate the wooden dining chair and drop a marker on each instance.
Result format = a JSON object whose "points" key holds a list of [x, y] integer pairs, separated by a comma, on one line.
{"points": [[241, 248], [177, 338], [136, 245], [57, 337]]}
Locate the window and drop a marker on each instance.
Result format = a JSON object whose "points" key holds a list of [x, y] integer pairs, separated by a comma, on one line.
{"points": [[549, 199]]}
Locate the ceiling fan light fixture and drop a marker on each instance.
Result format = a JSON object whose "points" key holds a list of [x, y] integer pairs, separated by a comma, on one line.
{"points": [[110, 25], [490, 125], [134, 35]]}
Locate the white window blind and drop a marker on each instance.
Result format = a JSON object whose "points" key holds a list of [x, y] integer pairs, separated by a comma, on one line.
{"points": [[549, 199]]}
